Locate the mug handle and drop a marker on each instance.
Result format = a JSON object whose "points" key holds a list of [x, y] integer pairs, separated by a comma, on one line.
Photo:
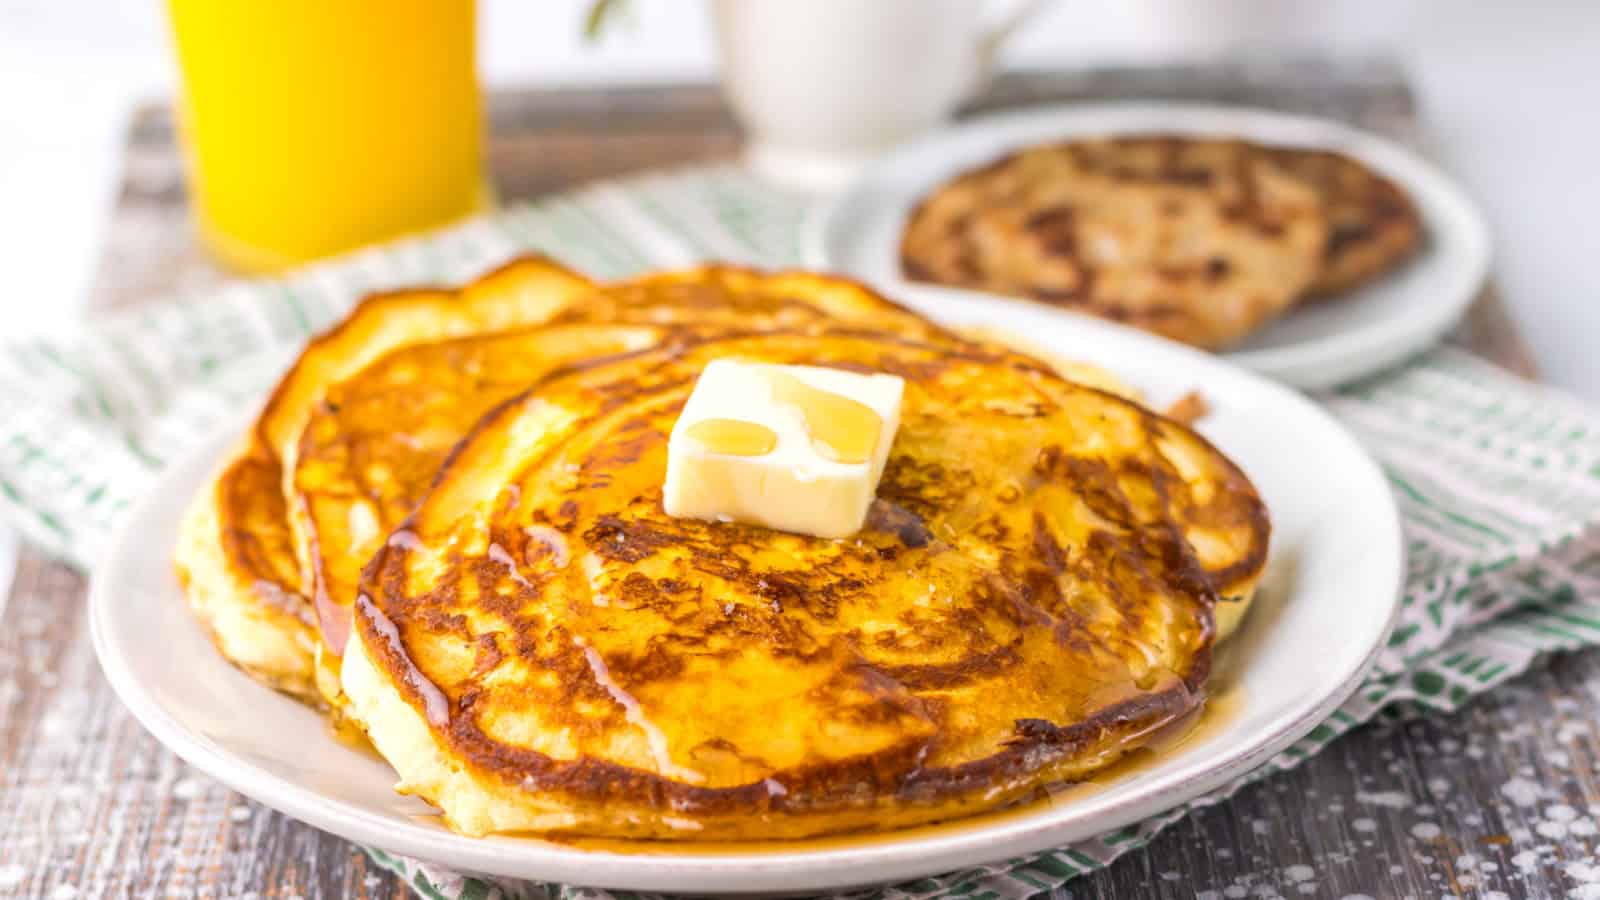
{"points": [[994, 37]]}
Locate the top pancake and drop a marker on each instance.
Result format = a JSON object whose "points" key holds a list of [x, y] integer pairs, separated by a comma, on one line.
{"points": [[541, 647], [1200, 240]]}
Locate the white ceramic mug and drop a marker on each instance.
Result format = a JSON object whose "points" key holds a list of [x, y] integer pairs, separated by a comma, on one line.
{"points": [[822, 86]]}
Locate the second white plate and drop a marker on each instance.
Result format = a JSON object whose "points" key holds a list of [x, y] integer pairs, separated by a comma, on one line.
{"points": [[1316, 346]]}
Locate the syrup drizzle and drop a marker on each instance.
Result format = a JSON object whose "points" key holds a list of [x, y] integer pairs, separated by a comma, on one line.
{"points": [[636, 717], [434, 703], [733, 437], [499, 554], [552, 540], [841, 429], [406, 539]]}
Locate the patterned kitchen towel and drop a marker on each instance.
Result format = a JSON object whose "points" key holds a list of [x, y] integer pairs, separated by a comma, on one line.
{"points": [[1498, 479]]}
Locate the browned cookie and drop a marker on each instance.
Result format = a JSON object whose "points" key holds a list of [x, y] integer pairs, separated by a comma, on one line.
{"points": [[1373, 226], [1201, 240]]}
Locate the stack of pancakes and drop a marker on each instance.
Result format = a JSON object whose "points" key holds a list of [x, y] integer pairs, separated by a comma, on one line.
{"points": [[1199, 239], [445, 531]]}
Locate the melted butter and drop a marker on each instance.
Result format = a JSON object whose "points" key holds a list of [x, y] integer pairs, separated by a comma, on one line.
{"points": [[733, 437], [842, 430], [1221, 710]]}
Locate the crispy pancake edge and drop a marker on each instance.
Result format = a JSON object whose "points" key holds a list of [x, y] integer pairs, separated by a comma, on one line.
{"points": [[258, 623]]}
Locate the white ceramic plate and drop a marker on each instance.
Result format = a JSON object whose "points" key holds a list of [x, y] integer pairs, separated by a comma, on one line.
{"points": [[1316, 346], [1331, 591]]}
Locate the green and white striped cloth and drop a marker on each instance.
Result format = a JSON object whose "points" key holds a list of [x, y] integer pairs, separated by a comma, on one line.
{"points": [[1498, 479]]}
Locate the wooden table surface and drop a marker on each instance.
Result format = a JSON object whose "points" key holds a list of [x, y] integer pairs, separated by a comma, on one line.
{"points": [[1500, 798]]}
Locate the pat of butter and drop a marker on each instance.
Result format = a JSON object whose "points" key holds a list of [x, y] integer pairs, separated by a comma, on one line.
{"points": [[794, 448]]}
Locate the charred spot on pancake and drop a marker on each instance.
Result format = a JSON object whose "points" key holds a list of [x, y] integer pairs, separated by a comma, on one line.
{"points": [[488, 653], [905, 525], [625, 540]]}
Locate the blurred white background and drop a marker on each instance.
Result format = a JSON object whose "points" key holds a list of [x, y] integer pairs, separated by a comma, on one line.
{"points": [[1509, 89]]}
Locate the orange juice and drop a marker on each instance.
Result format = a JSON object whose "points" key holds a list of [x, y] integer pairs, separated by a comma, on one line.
{"points": [[316, 126]]}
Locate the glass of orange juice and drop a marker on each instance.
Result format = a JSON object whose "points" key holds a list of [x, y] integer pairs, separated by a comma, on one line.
{"points": [[315, 126]]}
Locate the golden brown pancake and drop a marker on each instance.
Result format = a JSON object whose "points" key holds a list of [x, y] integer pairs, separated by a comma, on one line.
{"points": [[236, 554], [370, 450], [1373, 226], [1200, 240], [540, 647]]}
